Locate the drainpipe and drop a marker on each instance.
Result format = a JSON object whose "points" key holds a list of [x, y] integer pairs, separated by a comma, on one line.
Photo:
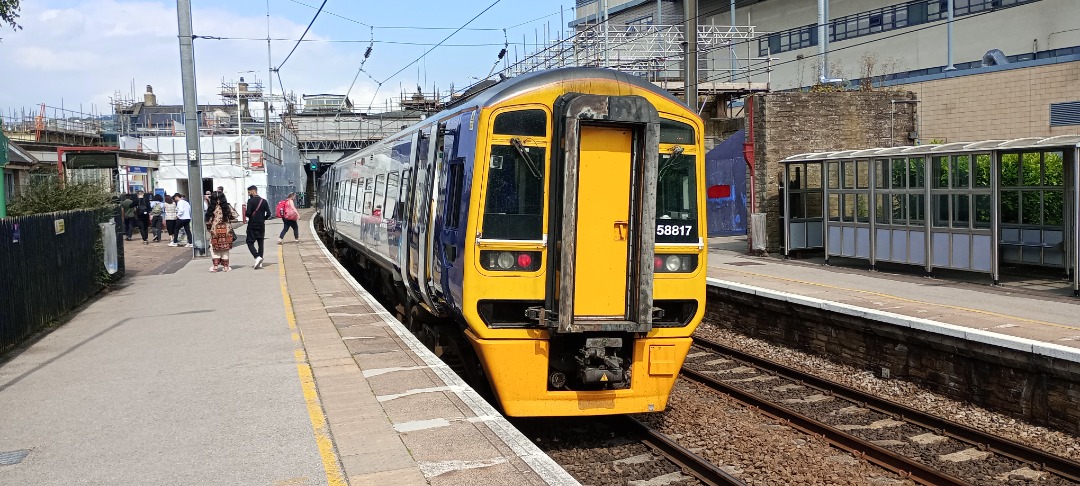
{"points": [[823, 38], [748, 151], [948, 49]]}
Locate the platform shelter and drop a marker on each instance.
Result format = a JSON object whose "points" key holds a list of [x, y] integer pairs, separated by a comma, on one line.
{"points": [[962, 206]]}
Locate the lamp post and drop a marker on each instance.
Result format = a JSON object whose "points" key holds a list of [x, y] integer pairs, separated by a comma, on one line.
{"points": [[240, 132]]}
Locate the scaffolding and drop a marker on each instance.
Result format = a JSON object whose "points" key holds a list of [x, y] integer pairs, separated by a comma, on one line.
{"points": [[53, 124], [654, 52]]}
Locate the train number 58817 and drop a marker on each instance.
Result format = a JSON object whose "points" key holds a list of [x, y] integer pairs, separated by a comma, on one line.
{"points": [[674, 230]]}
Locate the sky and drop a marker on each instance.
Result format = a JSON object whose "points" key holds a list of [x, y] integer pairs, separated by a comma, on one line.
{"points": [[83, 54]]}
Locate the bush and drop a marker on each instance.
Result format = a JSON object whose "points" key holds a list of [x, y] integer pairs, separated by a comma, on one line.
{"points": [[45, 194]]}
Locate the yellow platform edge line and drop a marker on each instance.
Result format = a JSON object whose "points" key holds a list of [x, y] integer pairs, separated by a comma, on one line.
{"points": [[327, 453], [910, 301]]}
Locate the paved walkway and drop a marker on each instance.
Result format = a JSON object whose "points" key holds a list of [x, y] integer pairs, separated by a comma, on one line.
{"points": [[176, 378], [289, 375]]}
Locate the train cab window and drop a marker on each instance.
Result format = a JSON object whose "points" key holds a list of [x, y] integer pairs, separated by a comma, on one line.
{"points": [[529, 123], [676, 132], [676, 199], [514, 209]]}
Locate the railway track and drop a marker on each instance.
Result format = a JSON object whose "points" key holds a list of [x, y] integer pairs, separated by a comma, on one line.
{"points": [[909, 442], [620, 449]]}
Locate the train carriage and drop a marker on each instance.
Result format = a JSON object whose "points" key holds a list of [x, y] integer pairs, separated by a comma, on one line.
{"points": [[548, 231]]}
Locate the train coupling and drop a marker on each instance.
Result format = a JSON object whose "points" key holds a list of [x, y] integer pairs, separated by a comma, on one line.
{"points": [[599, 364]]}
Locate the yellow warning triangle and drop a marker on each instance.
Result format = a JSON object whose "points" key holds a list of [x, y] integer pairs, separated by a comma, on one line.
{"points": [[603, 377]]}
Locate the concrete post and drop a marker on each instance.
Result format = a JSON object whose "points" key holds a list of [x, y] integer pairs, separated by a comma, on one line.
{"points": [[691, 76], [191, 127]]}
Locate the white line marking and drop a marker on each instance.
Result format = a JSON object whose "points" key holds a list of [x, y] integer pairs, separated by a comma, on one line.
{"points": [[383, 371], [433, 469]]}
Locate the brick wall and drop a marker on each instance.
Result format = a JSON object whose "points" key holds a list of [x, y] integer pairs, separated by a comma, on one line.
{"points": [[787, 124], [1002, 105]]}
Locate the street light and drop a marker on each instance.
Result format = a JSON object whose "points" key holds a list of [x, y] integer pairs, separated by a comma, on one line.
{"points": [[240, 131]]}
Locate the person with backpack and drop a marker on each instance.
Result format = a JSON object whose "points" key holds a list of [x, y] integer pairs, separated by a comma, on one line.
{"points": [[286, 210], [169, 207], [127, 214], [219, 218], [157, 210], [258, 211]]}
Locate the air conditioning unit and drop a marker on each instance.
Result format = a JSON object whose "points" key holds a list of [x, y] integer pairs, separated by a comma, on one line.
{"points": [[758, 240]]}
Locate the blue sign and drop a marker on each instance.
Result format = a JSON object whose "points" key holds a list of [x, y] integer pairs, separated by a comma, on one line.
{"points": [[136, 170]]}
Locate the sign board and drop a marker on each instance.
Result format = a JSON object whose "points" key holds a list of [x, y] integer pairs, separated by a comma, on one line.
{"points": [[58, 225], [132, 169], [255, 158], [97, 160]]}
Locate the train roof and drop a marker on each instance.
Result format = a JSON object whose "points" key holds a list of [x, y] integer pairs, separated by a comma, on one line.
{"points": [[518, 84], [510, 87]]}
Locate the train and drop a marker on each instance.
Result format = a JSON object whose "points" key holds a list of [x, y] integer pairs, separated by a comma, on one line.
{"points": [[544, 234]]}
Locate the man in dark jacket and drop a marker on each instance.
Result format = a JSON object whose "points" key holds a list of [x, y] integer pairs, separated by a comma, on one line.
{"points": [[142, 214], [258, 211]]}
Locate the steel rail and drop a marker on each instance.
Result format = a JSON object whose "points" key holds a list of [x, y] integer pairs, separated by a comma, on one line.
{"points": [[703, 470], [904, 466], [1041, 460]]}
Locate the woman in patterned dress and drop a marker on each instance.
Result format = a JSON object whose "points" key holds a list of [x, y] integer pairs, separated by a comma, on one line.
{"points": [[219, 218]]}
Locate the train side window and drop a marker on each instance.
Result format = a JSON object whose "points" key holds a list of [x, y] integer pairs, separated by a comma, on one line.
{"points": [[453, 198], [399, 209], [393, 183], [514, 206], [521, 122], [380, 194], [676, 132]]}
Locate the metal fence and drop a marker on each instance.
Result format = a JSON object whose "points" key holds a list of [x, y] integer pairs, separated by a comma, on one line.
{"points": [[50, 263]]}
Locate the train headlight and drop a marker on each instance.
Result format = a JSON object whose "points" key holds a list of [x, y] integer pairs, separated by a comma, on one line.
{"points": [[505, 260], [673, 263]]}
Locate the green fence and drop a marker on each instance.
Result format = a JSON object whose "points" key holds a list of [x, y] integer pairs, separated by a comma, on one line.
{"points": [[50, 263]]}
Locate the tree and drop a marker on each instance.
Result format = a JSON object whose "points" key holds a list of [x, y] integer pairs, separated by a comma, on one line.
{"points": [[9, 12]]}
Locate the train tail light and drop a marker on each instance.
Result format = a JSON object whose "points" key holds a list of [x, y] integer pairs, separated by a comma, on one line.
{"points": [[510, 261]]}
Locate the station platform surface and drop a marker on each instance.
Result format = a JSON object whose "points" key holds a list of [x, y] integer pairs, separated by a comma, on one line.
{"points": [[1033, 312], [289, 375]]}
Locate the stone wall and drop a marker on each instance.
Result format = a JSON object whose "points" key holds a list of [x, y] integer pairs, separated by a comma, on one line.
{"points": [[1040, 389], [787, 124]]}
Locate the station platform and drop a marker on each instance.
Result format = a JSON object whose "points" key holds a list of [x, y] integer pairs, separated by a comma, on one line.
{"points": [[1032, 313], [290, 375]]}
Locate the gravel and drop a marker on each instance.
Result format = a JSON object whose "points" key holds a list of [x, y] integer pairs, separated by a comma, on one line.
{"points": [[753, 446], [1060, 443]]}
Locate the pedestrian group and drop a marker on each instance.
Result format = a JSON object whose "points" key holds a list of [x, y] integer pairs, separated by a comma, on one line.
{"points": [[172, 214]]}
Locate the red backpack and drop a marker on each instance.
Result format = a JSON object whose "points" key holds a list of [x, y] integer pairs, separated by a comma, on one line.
{"points": [[280, 210]]}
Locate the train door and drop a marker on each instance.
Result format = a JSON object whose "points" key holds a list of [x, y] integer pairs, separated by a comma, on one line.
{"points": [[442, 146], [604, 213], [421, 215], [602, 244], [448, 212]]}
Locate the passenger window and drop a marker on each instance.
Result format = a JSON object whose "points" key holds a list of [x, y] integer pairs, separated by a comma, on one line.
{"points": [[514, 209], [529, 123], [453, 205]]}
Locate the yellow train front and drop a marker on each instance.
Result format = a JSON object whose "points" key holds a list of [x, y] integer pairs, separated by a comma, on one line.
{"points": [[557, 221]]}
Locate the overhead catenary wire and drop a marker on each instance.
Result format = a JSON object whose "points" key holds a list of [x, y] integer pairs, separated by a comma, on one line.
{"points": [[316, 16], [414, 61]]}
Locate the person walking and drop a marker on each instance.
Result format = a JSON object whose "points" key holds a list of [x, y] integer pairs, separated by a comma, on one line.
{"points": [[157, 210], [127, 212], [183, 220], [219, 219], [142, 214], [289, 216], [170, 216], [258, 211]]}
